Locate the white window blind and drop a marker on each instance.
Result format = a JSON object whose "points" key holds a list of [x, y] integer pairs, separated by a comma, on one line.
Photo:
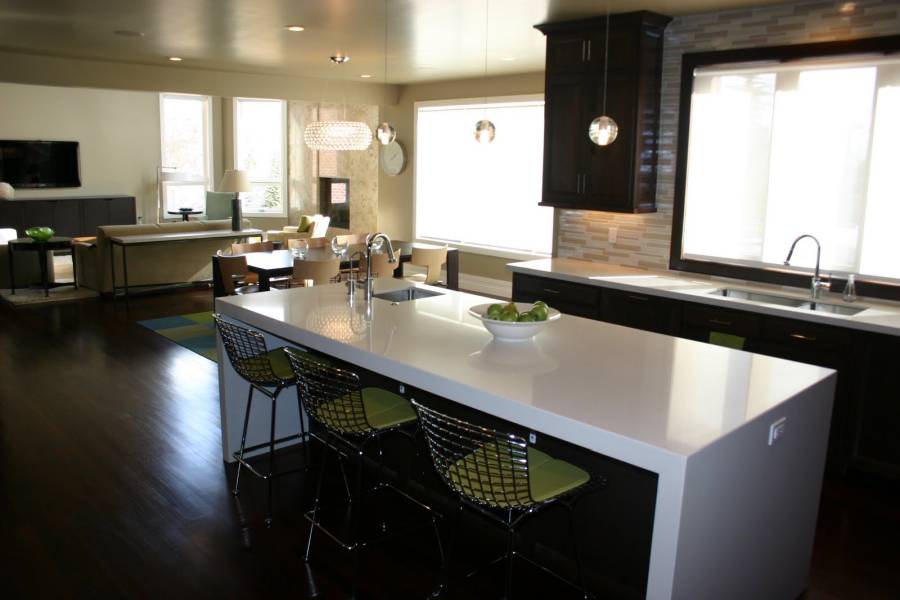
{"points": [[186, 158], [260, 150], [790, 149], [482, 196]]}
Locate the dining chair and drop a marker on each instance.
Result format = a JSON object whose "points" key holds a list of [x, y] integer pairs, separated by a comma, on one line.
{"points": [[380, 265], [252, 247], [321, 272], [430, 258], [234, 275], [310, 243]]}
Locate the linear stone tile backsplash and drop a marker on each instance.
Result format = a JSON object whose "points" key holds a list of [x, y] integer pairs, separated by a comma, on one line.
{"points": [[643, 240]]}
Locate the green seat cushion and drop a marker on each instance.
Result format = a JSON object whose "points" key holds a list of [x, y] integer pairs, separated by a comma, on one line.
{"points": [[496, 475], [380, 409], [279, 362], [306, 224]]}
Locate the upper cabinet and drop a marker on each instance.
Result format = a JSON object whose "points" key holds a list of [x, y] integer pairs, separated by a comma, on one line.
{"points": [[578, 174]]}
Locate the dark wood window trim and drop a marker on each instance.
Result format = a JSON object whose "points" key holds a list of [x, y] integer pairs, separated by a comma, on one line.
{"points": [[692, 61]]}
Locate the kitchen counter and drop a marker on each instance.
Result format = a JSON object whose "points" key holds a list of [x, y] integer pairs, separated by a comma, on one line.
{"points": [[877, 317], [695, 414]]}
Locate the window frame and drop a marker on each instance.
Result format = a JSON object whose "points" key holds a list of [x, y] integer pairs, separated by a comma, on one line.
{"points": [[207, 181], [284, 153], [467, 246], [789, 276]]}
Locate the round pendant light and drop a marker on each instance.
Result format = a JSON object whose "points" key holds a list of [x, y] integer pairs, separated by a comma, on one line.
{"points": [[385, 133], [604, 129], [485, 132]]}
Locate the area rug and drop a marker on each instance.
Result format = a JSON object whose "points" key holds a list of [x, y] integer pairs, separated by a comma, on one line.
{"points": [[35, 296], [196, 332]]}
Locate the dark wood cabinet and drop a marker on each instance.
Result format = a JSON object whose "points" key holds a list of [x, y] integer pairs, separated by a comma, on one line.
{"points": [[877, 445], [578, 174], [72, 216], [570, 298], [640, 311]]}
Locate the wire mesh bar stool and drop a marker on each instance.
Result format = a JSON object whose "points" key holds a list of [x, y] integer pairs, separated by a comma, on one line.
{"points": [[351, 418], [267, 372], [500, 476]]}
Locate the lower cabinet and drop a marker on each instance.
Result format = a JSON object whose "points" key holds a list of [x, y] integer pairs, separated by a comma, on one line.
{"points": [[865, 426]]}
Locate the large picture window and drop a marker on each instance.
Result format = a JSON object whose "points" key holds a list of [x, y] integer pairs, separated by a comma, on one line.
{"points": [[186, 157], [483, 197], [779, 149], [259, 148]]}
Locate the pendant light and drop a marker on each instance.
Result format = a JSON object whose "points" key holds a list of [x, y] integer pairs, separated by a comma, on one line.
{"points": [[385, 132], [338, 135], [603, 130], [484, 129]]}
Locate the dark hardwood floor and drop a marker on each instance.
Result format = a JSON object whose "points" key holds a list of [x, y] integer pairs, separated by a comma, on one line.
{"points": [[113, 483]]}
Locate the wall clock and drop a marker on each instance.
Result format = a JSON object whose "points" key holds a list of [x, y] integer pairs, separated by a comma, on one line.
{"points": [[393, 159]]}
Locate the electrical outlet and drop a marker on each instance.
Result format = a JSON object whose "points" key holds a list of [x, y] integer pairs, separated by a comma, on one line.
{"points": [[532, 438], [402, 389], [776, 430], [613, 234]]}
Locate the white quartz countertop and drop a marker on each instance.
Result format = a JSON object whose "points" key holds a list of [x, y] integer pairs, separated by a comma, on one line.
{"points": [[633, 395], [877, 317]]}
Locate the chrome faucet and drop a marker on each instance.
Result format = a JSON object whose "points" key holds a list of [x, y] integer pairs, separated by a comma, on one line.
{"points": [[370, 241], [816, 284]]}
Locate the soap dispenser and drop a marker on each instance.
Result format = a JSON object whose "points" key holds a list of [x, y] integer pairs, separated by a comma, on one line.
{"points": [[850, 288]]}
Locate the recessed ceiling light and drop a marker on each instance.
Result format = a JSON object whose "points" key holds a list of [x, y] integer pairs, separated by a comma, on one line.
{"points": [[339, 58], [295, 28], [366, 76], [128, 33], [175, 58], [847, 8], [508, 58]]}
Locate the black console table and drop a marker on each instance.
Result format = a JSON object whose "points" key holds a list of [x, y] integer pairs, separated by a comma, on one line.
{"points": [[28, 244], [72, 216]]}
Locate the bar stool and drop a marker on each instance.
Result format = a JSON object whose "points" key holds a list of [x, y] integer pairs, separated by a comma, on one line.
{"points": [[268, 372], [500, 476], [352, 417]]}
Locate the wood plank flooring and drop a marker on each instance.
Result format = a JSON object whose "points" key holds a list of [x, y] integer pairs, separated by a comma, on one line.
{"points": [[112, 484]]}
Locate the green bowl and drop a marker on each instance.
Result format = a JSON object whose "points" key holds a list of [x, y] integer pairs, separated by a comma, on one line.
{"points": [[39, 234]]}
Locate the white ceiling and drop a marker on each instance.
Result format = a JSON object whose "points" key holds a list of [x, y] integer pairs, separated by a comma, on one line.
{"points": [[428, 39]]}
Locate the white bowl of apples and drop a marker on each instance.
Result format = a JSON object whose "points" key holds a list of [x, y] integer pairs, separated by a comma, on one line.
{"points": [[514, 321]]}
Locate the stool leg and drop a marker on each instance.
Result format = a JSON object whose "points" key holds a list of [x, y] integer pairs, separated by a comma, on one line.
{"points": [[356, 519], [303, 436], [315, 510], [444, 581], [271, 458], [580, 567], [237, 477], [510, 554]]}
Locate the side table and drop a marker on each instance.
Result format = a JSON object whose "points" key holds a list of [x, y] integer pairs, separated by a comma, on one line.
{"points": [[28, 244]]}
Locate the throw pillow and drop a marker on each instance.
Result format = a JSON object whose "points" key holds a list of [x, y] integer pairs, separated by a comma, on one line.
{"points": [[306, 224]]}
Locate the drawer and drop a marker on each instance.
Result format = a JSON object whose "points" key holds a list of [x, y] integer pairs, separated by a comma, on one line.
{"points": [[787, 331], [550, 290], [725, 321]]}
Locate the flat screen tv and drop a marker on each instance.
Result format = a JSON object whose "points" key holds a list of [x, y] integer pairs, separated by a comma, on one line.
{"points": [[39, 164]]}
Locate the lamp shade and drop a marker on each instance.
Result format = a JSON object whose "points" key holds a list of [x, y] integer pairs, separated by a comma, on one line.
{"points": [[235, 181]]}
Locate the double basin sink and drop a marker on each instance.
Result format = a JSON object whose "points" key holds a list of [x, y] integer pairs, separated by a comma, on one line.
{"points": [[802, 303]]}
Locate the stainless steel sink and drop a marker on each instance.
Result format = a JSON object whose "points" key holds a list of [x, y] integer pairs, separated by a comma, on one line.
{"points": [[407, 294], [801, 303]]}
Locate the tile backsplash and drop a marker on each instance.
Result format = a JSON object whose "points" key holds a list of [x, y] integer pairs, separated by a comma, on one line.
{"points": [[643, 240]]}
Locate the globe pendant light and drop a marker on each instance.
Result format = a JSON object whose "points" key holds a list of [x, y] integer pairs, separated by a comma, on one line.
{"points": [[338, 135], [484, 129], [603, 130], [385, 131]]}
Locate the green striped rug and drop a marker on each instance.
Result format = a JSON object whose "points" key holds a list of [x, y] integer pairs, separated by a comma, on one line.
{"points": [[196, 332]]}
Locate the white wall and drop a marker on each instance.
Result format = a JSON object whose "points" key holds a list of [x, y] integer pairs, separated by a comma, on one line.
{"points": [[118, 132]]}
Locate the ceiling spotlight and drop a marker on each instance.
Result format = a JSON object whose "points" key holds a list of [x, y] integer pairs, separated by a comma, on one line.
{"points": [[295, 28], [366, 76], [128, 33], [175, 58], [339, 58], [847, 8]]}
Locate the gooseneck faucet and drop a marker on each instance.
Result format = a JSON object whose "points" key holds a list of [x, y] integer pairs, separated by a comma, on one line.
{"points": [[816, 284], [370, 241]]}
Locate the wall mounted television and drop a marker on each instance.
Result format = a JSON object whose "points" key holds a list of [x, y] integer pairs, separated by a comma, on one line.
{"points": [[39, 164]]}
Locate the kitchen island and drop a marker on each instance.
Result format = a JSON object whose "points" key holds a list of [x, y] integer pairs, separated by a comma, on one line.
{"points": [[735, 509]]}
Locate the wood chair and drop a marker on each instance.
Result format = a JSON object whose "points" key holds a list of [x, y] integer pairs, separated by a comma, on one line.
{"points": [[254, 247], [380, 266], [352, 238], [311, 243], [233, 275], [321, 272], [430, 258]]}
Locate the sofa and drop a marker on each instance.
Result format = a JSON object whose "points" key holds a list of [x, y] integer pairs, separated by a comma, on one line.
{"points": [[152, 264], [317, 227]]}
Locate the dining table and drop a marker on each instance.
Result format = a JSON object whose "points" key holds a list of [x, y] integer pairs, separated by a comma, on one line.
{"points": [[279, 263]]}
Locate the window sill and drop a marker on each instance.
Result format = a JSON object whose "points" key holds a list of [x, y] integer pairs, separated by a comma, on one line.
{"points": [[485, 250]]}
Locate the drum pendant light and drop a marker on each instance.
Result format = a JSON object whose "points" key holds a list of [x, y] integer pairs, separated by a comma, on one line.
{"points": [[603, 130], [484, 129]]}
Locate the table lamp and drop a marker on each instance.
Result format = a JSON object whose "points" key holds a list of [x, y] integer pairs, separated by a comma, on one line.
{"points": [[235, 181]]}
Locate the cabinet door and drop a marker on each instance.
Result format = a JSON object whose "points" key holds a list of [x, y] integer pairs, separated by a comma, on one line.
{"points": [[878, 442], [700, 322], [121, 211], [12, 215], [570, 298], [567, 53], [610, 168], [94, 212], [67, 217], [564, 135], [38, 213], [640, 311]]}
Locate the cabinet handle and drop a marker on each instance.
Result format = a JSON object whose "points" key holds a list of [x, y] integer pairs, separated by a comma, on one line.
{"points": [[805, 338], [719, 322], [551, 291], [578, 183], [640, 298], [589, 51], [582, 50]]}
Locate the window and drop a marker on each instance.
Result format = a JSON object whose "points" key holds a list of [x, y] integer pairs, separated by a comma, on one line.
{"points": [[482, 196], [259, 149], [186, 158], [778, 149]]}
